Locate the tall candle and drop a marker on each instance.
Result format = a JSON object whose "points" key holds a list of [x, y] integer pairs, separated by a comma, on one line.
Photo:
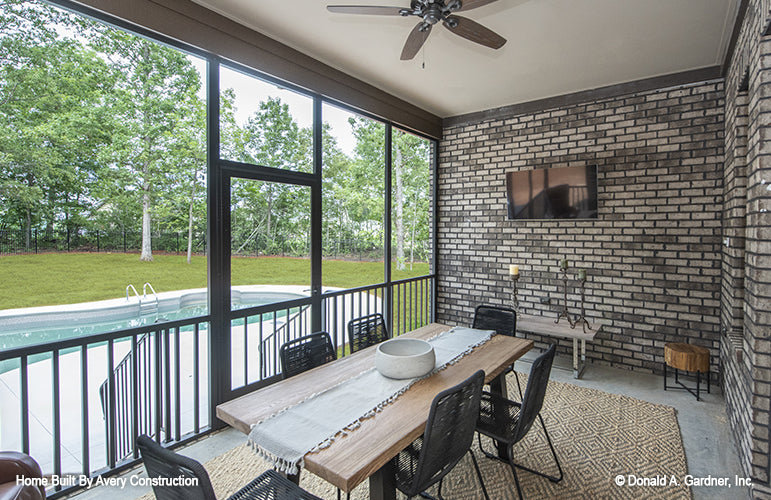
{"points": [[513, 269]]}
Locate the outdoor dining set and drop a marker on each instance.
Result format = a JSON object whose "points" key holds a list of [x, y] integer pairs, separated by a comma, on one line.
{"points": [[344, 421]]}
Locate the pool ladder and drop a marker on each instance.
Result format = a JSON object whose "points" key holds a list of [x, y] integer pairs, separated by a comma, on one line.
{"points": [[145, 307]]}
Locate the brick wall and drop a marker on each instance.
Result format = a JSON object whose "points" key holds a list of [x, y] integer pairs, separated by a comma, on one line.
{"points": [[746, 291], [654, 254]]}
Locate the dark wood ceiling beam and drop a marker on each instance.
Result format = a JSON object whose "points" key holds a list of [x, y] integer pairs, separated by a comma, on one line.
{"points": [[192, 24]]}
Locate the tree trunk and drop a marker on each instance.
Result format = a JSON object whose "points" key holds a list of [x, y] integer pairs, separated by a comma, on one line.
{"points": [[28, 229], [190, 219], [414, 226], [399, 205], [147, 247]]}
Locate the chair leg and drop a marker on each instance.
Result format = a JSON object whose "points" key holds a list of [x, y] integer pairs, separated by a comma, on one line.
{"points": [[514, 472], [479, 474], [519, 387], [553, 479]]}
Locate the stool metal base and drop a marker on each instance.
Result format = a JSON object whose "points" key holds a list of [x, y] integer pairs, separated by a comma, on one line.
{"points": [[683, 386]]}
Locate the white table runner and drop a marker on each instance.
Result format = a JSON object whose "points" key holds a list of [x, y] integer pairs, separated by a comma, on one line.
{"points": [[285, 438]]}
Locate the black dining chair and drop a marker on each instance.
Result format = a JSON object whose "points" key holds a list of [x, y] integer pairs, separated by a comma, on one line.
{"points": [[306, 352], [366, 331], [446, 440], [501, 319], [165, 464], [507, 422]]}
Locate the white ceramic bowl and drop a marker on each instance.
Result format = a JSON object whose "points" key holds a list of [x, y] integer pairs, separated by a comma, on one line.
{"points": [[404, 358]]}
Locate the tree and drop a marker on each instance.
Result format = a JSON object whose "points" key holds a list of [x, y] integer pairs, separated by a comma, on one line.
{"points": [[158, 89], [54, 121], [411, 174], [410, 169], [275, 212]]}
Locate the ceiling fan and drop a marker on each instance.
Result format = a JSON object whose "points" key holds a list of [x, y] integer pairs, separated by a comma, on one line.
{"points": [[432, 12]]}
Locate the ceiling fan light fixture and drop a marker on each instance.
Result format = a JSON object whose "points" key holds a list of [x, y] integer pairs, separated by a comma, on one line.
{"points": [[432, 12]]}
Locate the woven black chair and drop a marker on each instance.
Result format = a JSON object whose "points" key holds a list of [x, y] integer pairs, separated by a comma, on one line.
{"points": [[447, 438], [307, 352], [165, 464], [507, 422], [501, 319], [366, 331]]}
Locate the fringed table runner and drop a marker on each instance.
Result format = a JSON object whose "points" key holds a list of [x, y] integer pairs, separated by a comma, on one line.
{"points": [[285, 438]]}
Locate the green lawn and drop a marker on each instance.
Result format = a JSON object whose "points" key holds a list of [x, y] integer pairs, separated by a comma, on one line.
{"points": [[68, 278]]}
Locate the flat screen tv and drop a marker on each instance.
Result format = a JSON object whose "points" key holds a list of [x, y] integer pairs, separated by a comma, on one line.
{"points": [[553, 193]]}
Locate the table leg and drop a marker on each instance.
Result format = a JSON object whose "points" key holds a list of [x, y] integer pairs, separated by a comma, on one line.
{"points": [[382, 485], [295, 478], [578, 366], [498, 386]]}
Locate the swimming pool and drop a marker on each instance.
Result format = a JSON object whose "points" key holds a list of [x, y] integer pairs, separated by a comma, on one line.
{"points": [[35, 325]]}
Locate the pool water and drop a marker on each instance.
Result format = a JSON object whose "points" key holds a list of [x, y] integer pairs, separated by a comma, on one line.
{"points": [[64, 330]]}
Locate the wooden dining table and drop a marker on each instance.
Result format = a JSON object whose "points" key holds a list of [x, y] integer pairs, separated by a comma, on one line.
{"points": [[367, 451]]}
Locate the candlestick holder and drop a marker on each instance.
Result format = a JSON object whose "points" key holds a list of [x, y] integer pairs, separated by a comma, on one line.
{"points": [[515, 299], [582, 318], [564, 312]]}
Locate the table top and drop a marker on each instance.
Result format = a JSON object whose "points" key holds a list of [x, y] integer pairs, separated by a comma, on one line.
{"points": [[545, 325], [353, 458]]}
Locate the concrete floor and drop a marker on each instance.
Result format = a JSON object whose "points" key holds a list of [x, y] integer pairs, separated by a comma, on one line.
{"points": [[709, 446]]}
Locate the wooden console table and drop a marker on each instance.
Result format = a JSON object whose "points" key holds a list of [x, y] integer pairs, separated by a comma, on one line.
{"points": [[544, 325]]}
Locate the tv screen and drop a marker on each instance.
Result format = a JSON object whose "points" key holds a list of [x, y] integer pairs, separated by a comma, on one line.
{"points": [[553, 193]]}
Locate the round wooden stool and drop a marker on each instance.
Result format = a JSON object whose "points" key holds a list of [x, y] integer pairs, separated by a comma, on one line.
{"points": [[689, 358]]}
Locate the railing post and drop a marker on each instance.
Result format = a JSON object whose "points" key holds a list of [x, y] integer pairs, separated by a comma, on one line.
{"points": [[35, 240], [124, 241], [97, 241]]}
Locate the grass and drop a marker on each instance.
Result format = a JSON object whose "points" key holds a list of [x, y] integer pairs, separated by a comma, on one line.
{"points": [[69, 278]]}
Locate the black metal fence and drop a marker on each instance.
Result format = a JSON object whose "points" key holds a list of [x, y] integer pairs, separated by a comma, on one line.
{"points": [[18, 241]]}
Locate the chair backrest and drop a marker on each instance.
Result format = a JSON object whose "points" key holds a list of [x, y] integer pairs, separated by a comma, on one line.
{"points": [[449, 431], [532, 401], [366, 331], [501, 319], [164, 463], [306, 352]]}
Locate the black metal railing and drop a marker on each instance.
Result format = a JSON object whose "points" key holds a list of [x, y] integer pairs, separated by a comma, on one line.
{"points": [[257, 333], [340, 307], [92, 396], [412, 299], [69, 433]]}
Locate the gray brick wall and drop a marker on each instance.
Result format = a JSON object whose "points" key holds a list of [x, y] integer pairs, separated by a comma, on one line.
{"points": [[746, 260], [654, 254]]}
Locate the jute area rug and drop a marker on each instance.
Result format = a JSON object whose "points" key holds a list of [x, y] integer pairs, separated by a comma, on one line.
{"points": [[598, 436]]}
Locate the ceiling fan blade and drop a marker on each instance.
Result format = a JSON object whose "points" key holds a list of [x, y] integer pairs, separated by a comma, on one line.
{"points": [[365, 9], [472, 30], [473, 4], [415, 41]]}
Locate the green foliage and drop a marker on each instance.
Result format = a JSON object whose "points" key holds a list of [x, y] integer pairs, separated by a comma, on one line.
{"points": [[106, 130]]}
